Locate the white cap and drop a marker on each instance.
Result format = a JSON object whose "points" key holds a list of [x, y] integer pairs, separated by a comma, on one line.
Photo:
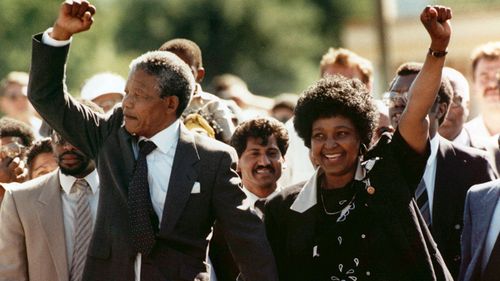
{"points": [[103, 83]]}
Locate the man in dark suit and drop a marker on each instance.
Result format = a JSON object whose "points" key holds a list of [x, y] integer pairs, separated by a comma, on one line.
{"points": [[480, 240], [451, 169], [153, 222], [261, 144]]}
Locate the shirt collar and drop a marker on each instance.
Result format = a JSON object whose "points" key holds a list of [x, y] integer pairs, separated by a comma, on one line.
{"points": [[252, 198], [163, 139], [434, 149], [67, 181], [307, 197]]}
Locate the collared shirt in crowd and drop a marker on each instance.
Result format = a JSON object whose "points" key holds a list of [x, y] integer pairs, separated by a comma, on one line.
{"points": [[69, 206]]}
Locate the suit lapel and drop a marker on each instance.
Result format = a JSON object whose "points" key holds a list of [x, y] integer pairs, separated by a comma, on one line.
{"points": [[484, 211], [50, 216], [182, 178], [444, 185], [128, 160]]}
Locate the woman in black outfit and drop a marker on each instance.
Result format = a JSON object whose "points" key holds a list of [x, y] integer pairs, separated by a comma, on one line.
{"points": [[355, 218]]}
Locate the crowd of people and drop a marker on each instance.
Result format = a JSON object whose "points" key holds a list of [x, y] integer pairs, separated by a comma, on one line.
{"points": [[153, 178]]}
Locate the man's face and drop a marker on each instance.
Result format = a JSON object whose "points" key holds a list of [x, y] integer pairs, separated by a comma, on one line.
{"points": [[260, 165], [14, 102], [457, 114], [398, 97], [486, 84], [70, 159], [144, 112]]}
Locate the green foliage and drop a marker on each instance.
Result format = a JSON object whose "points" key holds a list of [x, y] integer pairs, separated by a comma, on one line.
{"points": [[274, 45]]}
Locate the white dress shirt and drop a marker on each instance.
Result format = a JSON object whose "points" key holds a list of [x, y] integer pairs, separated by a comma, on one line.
{"points": [[69, 204], [252, 198], [478, 129], [430, 171], [492, 235]]}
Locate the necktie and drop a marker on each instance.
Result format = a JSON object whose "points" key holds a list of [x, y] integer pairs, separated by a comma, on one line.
{"points": [[492, 271], [83, 230], [423, 202], [142, 217], [259, 206]]}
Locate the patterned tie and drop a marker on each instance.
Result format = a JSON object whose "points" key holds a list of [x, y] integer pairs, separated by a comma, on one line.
{"points": [[142, 217], [492, 271], [83, 230], [423, 202]]}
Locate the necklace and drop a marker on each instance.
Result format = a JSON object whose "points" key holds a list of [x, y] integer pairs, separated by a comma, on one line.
{"points": [[348, 205], [339, 211]]}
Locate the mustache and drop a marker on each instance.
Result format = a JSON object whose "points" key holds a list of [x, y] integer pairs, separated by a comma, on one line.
{"points": [[79, 155], [265, 167]]}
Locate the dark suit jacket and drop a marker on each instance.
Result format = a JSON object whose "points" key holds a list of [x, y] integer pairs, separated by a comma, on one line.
{"points": [[457, 169], [187, 218], [403, 248], [479, 208]]}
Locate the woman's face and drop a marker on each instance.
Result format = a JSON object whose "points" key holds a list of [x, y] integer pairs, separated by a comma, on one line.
{"points": [[335, 146]]}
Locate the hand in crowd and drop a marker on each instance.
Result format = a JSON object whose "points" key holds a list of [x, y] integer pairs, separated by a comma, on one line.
{"points": [[74, 17], [436, 20], [13, 170]]}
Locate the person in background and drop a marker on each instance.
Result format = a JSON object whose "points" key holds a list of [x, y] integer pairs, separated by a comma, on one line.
{"points": [[248, 104], [481, 235], [453, 127], [261, 144], [355, 219], [384, 122], [347, 63], [15, 138], [46, 224], [40, 158], [439, 195], [14, 101], [207, 105], [485, 68], [283, 107], [105, 89]]}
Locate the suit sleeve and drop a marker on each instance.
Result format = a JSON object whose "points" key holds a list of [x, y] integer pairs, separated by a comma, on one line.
{"points": [[13, 257], [466, 238], [47, 93], [243, 229]]}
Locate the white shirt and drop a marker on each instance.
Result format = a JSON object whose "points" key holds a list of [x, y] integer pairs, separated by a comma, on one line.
{"points": [[252, 198], [462, 138], [69, 202], [298, 166], [492, 235], [478, 129], [160, 162], [430, 171]]}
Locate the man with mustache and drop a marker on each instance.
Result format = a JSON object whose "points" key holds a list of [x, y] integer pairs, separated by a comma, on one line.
{"points": [[261, 144], [46, 223], [485, 72]]}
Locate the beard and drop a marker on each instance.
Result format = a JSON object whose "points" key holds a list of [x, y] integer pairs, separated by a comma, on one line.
{"points": [[73, 170]]}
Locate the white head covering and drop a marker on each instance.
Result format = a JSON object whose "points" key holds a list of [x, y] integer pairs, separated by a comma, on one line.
{"points": [[103, 83]]}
